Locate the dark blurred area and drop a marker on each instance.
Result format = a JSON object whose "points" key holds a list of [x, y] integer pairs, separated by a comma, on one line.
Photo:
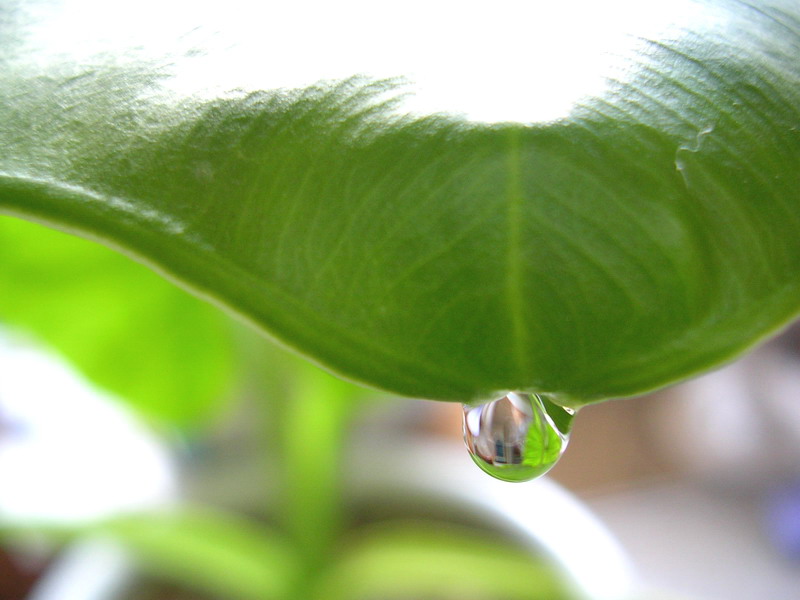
{"points": [[17, 575]]}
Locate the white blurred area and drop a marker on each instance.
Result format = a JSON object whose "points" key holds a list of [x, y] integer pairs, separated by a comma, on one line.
{"points": [[740, 425], [70, 454]]}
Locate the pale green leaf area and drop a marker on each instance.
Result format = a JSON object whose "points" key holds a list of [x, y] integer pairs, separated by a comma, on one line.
{"points": [[211, 552], [398, 561], [647, 235], [158, 348]]}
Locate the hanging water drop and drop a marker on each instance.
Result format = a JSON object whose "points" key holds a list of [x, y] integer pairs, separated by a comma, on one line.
{"points": [[518, 437]]}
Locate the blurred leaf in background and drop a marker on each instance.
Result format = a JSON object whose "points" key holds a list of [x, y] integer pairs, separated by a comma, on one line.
{"points": [[123, 326]]}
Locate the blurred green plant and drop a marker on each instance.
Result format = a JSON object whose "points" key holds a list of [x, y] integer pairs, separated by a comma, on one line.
{"points": [[166, 353]]}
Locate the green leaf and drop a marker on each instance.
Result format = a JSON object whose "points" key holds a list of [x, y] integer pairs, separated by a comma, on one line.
{"points": [[430, 560], [208, 551], [445, 250], [124, 327]]}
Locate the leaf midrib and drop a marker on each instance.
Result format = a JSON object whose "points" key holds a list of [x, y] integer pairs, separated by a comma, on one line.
{"points": [[514, 255]]}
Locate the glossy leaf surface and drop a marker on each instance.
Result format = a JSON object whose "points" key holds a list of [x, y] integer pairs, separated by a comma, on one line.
{"points": [[404, 205]]}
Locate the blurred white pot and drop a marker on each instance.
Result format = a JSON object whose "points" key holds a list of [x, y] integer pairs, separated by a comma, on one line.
{"points": [[439, 477]]}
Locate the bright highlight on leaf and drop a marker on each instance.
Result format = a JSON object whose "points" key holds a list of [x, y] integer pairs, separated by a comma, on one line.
{"points": [[647, 234]]}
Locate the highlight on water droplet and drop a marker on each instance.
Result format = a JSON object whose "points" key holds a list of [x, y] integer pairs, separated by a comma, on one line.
{"points": [[518, 437]]}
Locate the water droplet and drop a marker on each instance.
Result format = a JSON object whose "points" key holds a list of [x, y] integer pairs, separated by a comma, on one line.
{"points": [[518, 437]]}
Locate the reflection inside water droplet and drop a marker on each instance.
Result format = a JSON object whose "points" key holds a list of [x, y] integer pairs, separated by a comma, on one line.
{"points": [[518, 437]]}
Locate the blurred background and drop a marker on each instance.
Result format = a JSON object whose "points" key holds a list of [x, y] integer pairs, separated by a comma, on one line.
{"points": [[120, 394], [701, 482]]}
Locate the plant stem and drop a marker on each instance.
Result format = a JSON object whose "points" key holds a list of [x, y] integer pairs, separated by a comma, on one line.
{"points": [[312, 436]]}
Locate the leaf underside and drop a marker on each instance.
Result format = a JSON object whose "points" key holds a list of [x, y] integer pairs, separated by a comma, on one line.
{"points": [[646, 236]]}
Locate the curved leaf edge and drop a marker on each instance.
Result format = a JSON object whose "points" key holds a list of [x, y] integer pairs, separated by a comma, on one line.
{"points": [[81, 212]]}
